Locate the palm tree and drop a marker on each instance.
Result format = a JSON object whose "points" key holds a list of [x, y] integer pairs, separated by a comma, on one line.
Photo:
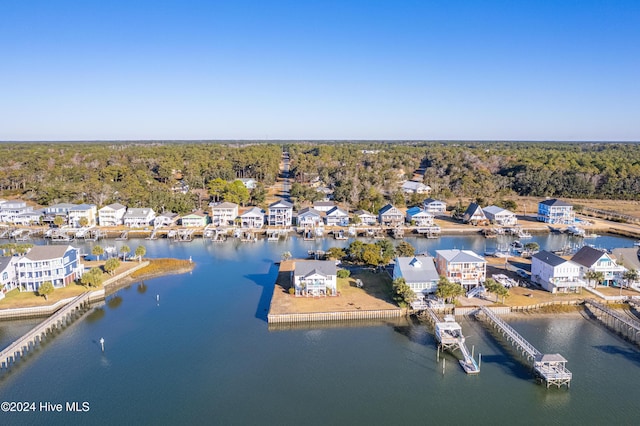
{"points": [[590, 276], [124, 250], [630, 275], [97, 251], [140, 251]]}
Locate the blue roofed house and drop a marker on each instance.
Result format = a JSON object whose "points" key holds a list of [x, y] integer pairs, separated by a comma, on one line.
{"points": [[420, 274], [419, 217], [554, 273], [462, 266], [315, 278], [592, 259], [556, 212], [58, 264]]}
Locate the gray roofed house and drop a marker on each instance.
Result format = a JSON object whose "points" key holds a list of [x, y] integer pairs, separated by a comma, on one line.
{"points": [[390, 215], [556, 211], [592, 259], [462, 266], [365, 217], [315, 277], [58, 264], [435, 207], [474, 215], [500, 216], [280, 213], [337, 217], [8, 277], [139, 217], [252, 218], [419, 272], [554, 273]]}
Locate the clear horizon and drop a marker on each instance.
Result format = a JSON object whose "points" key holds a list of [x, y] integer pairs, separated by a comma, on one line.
{"points": [[306, 70]]}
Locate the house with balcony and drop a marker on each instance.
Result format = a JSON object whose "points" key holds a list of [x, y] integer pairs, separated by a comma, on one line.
{"points": [[8, 277], [309, 218], [499, 216], [365, 217], [419, 217], [80, 211], [474, 215], [315, 278], [280, 213], [197, 219], [390, 216], [252, 218], [435, 207], [337, 217], [111, 215], [139, 217], [59, 264], [592, 259], [555, 274], [166, 219], [462, 266], [10, 209], [223, 214], [556, 212], [30, 218], [57, 210], [413, 187], [420, 274]]}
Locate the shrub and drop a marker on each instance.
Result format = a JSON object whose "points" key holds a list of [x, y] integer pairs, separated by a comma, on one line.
{"points": [[343, 273], [292, 290]]}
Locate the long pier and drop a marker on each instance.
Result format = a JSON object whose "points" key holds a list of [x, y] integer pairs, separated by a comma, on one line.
{"points": [[550, 368], [626, 326], [24, 344]]}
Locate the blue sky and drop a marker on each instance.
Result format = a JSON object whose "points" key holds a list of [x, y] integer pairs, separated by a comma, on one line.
{"points": [[240, 69]]}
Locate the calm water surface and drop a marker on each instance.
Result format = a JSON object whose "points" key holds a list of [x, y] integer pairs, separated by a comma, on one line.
{"points": [[204, 354]]}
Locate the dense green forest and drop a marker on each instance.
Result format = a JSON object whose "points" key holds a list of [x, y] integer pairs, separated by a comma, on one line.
{"points": [[134, 174], [364, 175]]}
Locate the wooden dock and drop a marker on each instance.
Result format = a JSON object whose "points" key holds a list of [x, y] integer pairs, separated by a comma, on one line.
{"points": [[550, 368], [614, 320], [18, 349]]}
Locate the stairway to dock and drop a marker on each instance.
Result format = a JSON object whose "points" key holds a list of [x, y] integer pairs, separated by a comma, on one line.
{"points": [[550, 368]]}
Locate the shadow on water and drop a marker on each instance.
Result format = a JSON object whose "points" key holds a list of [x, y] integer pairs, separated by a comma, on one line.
{"points": [[114, 302], [267, 284], [629, 354], [96, 315]]}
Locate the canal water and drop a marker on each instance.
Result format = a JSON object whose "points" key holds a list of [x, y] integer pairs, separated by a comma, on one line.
{"points": [[196, 349]]}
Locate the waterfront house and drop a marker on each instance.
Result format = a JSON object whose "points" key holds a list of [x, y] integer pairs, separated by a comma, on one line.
{"points": [[420, 274], [58, 264], [390, 216], [57, 210], [554, 273], [166, 219], [474, 215], [419, 217], [280, 213], [10, 209], [197, 219], [252, 218], [365, 217], [591, 259], [499, 216], [111, 215], [315, 278], [8, 277], [138, 217], [79, 211], [337, 217], [435, 207], [556, 212], [413, 187], [309, 218], [462, 266], [323, 206], [223, 214], [28, 218]]}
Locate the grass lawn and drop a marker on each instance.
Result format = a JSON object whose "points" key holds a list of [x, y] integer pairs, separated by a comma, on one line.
{"points": [[17, 299]]}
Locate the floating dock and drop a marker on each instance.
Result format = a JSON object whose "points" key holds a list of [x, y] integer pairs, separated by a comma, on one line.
{"points": [[450, 337], [550, 368]]}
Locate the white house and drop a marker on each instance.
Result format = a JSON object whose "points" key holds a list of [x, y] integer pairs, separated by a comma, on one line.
{"points": [[28, 218], [419, 273], [365, 217], [58, 264], [390, 216], [166, 219], [337, 217], [223, 214], [248, 183], [413, 187], [8, 277], [111, 215], [315, 278], [556, 212], [10, 209], [499, 216], [138, 217], [554, 273], [419, 217], [79, 211], [280, 213], [252, 218], [194, 220], [462, 266], [323, 206], [435, 207], [474, 215], [309, 217], [591, 259]]}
